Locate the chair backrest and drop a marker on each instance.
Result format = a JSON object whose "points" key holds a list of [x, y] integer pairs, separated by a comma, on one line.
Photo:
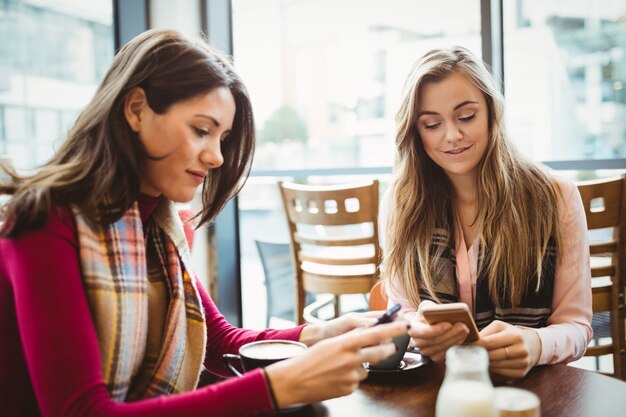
{"points": [[280, 283], [378, 298], [279, 279], [334, 238], [605, 209]]}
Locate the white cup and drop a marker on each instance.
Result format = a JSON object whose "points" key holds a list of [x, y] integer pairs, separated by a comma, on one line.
{"points": [[516, 402]]}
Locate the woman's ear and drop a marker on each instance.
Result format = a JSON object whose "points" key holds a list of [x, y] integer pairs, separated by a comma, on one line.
{"points": [[135, 104]]}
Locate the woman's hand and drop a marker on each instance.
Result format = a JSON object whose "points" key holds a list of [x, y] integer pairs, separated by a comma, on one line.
{"points": [[333, 367], [434, 340], [513, 351], [313, 333]]}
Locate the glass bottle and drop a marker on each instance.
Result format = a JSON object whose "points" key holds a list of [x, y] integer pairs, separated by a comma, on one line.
{"points": [[466, 390]]}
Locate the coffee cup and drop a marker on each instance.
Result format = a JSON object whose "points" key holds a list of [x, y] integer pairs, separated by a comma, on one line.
{"points": [[261, 354], [516, 402], [394, 361]]}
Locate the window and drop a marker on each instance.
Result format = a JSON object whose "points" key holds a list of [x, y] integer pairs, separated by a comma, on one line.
{"points": [[53, 54], [325, 76], [564, 72]]}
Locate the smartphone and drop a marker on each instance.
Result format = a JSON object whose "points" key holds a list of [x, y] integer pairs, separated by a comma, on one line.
{"points": [[451, 313], [389, 315]]}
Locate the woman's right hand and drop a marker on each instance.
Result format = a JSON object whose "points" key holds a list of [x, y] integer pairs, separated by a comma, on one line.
{"points": [[434, 340], [333, 367]]}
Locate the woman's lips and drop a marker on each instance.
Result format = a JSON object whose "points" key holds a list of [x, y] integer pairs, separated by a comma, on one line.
{"points": [[197, 176], [457, 151]]}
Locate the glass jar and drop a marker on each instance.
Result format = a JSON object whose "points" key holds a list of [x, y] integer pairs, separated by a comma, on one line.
{"points": [[466, 390]]}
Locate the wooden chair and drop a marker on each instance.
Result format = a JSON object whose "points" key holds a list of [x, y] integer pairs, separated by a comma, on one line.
{"points": [[605, 207], [378, 299], [334, 241]]}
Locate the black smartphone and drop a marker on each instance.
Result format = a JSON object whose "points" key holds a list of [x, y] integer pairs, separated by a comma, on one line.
{"points": [[389, 315]]}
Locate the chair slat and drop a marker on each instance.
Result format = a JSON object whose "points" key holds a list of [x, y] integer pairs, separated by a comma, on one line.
{"points": [[316, 196], [601, 298], [333, 241], [302, 256], [603, 271], [319, 283], [611, 192], [599, 350], [603, 248]]}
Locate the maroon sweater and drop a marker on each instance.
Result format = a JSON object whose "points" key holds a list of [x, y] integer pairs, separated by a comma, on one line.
{"points": [[49, 352]]}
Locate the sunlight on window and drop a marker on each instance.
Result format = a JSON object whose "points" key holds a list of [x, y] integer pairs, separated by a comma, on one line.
{"points": [[564, 74], [326, 76], [52, 56]]}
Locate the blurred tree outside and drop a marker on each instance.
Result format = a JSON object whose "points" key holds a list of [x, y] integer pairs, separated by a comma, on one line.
{"points": [[284, 125]]}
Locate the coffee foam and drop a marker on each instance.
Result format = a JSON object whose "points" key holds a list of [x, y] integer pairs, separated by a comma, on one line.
{"points": [[272, 351], [517, 402]]}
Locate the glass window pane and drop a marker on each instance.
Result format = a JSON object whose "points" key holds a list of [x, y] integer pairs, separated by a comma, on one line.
{"points": [[16, 124], [326, 76], [55, 53], [565, 72]]}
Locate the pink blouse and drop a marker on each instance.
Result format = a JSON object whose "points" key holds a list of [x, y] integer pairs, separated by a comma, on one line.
{"points": [[569, 332]]}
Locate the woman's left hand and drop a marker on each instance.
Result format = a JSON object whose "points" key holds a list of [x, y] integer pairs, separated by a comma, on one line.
{"points": [[313, 333], [513, 351]]}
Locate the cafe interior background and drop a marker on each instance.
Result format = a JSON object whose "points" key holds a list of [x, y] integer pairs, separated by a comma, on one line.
{"points": [[325, 78]]}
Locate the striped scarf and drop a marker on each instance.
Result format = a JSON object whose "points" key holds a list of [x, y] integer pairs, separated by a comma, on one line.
{"points": [[118, 265], [534, 309]]}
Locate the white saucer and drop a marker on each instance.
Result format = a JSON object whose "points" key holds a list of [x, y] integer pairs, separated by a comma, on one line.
{"points": [[411, 360], [291, 408]]}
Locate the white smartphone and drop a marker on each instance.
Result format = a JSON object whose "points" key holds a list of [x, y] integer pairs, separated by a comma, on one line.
{"points": [[451, 313]]}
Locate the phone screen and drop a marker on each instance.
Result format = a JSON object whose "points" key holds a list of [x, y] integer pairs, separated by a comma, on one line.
{"points": [[389, 315]]}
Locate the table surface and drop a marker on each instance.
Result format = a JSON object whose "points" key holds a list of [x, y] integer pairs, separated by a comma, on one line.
{"points": [[563, 391]]}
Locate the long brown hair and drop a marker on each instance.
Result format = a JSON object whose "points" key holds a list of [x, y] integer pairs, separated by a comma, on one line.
{"points": [[516, 199], [97, 169]]}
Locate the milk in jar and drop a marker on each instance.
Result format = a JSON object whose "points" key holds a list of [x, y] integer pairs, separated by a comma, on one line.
{"points": [[466, 390]]}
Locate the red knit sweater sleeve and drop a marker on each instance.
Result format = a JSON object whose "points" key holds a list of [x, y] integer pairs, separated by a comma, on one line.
{"points": [[50, 348]]}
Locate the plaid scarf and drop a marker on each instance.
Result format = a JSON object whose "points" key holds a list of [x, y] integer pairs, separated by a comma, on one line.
{"points": [[119, 264], [534, 309]]}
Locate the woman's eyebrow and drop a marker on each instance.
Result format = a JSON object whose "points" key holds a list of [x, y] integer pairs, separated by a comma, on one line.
{"points": [[464, 103], [213, 119], [458, 106]]}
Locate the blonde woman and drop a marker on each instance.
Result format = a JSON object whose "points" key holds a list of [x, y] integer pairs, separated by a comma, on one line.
{"points": [[100, 314], [468, 219]]}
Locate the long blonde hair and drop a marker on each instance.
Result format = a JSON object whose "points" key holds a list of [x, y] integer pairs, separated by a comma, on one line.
{"points": [[516, 199], [97, 169]]}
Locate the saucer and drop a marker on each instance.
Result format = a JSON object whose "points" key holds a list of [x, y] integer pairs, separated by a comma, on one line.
{"points": [[412, 360], [292, 409]]}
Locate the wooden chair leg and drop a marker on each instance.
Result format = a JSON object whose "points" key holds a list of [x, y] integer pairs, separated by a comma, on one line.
{"points": [[337, 306]]}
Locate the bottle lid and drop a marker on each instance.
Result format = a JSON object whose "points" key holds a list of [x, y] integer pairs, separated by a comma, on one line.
{"points": [[468, 358]]}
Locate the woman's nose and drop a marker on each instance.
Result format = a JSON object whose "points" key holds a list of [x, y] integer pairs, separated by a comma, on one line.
{"points": [[211, 154], [453, 133]]}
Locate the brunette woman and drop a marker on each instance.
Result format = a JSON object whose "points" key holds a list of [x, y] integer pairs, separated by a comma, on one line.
{"points": [[100, 313]]}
